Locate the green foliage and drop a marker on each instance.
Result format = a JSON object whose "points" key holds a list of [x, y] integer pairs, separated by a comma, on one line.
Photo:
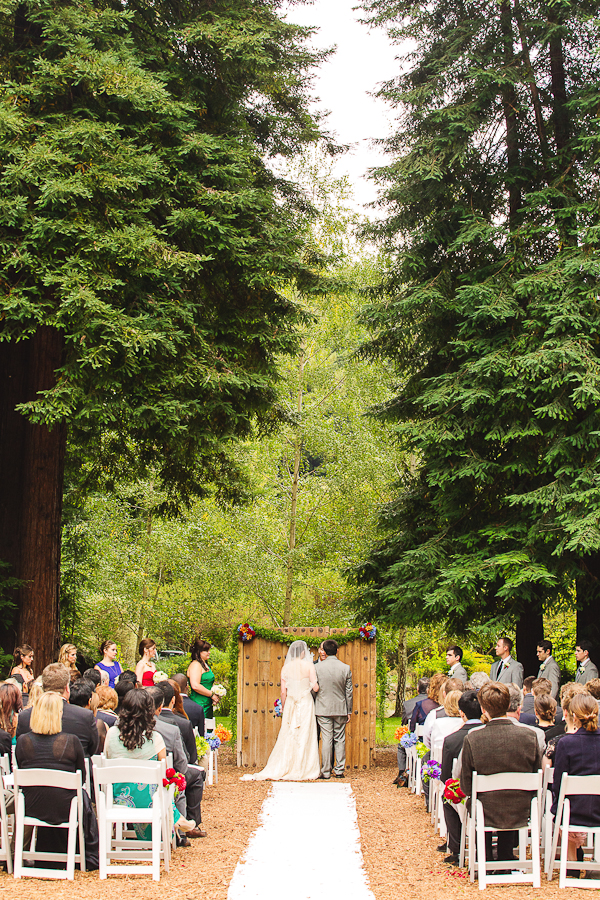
{"points": [[488, 313]]}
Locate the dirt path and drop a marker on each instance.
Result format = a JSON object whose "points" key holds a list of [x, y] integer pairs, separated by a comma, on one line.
{"points": [[398, 843]]}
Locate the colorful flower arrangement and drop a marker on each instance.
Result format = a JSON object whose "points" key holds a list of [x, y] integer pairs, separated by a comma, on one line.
{"points": [[246, 632], [408, 740], [219, 690], [201, 746], [223, 733], [430, 769], [400, 731], [422, 749], [159, 676], [214, 742], [367, 632], [453, 793], [176, 778], [277, 709]]}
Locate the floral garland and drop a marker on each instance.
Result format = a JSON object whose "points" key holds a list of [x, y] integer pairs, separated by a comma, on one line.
{"points": [[277, 709], [312, 641], [246, 632]]}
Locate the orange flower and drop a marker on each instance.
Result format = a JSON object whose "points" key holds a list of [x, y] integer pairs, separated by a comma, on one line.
{"points": [[224, 734]]}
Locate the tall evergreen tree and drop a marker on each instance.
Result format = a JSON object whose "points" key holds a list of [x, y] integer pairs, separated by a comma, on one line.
{"points": [[143, 243], [490, 313]]}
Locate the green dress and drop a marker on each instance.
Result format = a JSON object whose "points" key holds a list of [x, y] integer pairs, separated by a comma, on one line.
{"points": [[207, 680]]}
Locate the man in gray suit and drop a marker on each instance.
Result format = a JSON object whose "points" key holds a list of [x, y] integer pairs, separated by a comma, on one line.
{"points": [[333, 708], [586, 670], [507, 670], [548, 666], [454, 657]]}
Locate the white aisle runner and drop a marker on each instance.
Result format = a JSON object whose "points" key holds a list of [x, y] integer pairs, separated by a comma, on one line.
{"points": [[307, 846]]}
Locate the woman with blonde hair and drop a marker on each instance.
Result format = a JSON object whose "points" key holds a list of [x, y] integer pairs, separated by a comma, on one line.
{"points": [[35, 691], [68, 657], [108, 700], [579, 754]]}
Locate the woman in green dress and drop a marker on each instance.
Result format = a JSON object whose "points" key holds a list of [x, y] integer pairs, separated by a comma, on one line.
{"points": [[201, 678]]}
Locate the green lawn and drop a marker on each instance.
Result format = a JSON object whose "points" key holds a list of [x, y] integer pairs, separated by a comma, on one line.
{"points": [[386, 735]]}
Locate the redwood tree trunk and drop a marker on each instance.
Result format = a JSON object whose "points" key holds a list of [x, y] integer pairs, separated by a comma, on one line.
{"points": [[588, 601], [31, 470], [530, 631]]}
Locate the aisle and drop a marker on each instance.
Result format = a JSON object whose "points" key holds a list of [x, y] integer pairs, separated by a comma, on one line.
{"points": [[307, 846]]}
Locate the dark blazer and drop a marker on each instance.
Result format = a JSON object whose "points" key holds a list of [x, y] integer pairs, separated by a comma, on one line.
{"points": [[452, 747], [75, 720], [578, 754], [500, 747], [5, 744], [187, 733], [195, 714], [421, 711], [409, 706]]}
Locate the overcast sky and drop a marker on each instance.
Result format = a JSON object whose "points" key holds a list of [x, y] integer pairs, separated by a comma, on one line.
{"points": [[364, 58]]}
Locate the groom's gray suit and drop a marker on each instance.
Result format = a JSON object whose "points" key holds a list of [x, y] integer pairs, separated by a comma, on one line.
{"points": [[333, 705]]}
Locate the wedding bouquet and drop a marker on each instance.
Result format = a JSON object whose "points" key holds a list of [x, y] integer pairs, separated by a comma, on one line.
{"points": [[159, 676], [201, 746], [214, 742], [430, 769], [224, 734], [452, 792], [367, 631], [408, 740], [422, 749], [219, 690], [176, 778], [277, 709], [246, 632], [400, 731]]}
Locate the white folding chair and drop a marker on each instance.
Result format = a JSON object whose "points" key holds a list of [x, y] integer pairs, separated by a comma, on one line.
{"points": [[436, 792], [574, 786], [5, 849], [525, 870], [48, 778], [546, 818], [110, 814], [209, 726], [5, 764], [414, 761]]}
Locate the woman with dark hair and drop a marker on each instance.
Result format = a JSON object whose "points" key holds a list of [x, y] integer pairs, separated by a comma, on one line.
{"points": [[146, 667], [109, 663], [134, 737], [22, 670], [201, 678], [11, 704], [178, 708]]}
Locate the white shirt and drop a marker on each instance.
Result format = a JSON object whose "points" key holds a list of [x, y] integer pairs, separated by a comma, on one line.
{"points": [[441, 729], [428, 725]]}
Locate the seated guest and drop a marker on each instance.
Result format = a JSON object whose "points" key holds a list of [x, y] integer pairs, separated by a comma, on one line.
{"points": [[528, 698], [451, 684], [500, 747], [80, 722], [129, 675], [35, 692], [478, 679], [108, 663], [514, 711], [47, 746], [83, 695], [470, 717], [539, 687], [184, 724], [194, 711], [579, 754], [5, 743], [408, 707], [593, 688], [121, 690], [22, 669], [424, 707], [545, 711], [191, 801], [135, 737], [11, 704], [567, 692], [108, 700], [68, 657], [449, 723], [94, 676]]}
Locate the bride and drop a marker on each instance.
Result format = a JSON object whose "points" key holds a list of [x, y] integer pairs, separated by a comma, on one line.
{"points": [[295, 756]]}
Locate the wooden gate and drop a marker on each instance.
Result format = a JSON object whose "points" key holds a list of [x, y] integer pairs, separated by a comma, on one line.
{"points": [[259, 668]]}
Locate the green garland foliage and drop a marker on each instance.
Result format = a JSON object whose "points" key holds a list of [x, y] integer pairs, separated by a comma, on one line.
{"points": [[284, 637]]}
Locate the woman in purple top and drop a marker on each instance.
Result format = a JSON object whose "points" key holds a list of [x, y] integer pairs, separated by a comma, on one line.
{"points": [[109, 662]]}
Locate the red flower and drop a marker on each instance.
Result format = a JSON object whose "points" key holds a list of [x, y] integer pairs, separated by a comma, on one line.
{"points": [[165, 782], [170, 773]]}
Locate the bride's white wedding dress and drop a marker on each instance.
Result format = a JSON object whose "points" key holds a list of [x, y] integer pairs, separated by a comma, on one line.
{"points": [[295, 756]]}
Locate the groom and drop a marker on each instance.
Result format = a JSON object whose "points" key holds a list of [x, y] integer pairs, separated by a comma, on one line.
{"points": [[333, 707]]}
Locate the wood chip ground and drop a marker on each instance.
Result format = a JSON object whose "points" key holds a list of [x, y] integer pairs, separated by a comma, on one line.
{"points": [[398, 843]]}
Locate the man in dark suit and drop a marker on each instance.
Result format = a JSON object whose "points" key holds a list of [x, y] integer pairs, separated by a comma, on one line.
{"points": [[194, 712], [470, 713], [188, 804], [500, 747], [77, 721], [184, 725]]}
